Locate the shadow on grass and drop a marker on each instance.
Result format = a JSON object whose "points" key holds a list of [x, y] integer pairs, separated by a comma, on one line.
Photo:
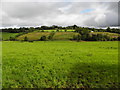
{"points": [[84, 75]]}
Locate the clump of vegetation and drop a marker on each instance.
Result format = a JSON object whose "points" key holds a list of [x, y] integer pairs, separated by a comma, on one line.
{"points": [[119, 38], [57, 30], [65, 30], [25, 38], [42, 30], [77, 37], [99, 37], [12, 39], [87, 36], [30, 41], [50, 37], [43, 38], [84, 33]]}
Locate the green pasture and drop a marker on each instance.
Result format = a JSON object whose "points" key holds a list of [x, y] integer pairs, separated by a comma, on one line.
{"points": [[57, 35], [59, 64], [53, 30], [6, 36], [107, 33]]}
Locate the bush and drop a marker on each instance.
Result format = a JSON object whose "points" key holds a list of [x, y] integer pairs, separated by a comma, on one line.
{"points": [[118, 38], [100, 37], [82, 31], [65, 30], [95, 37], [42, 30], [50, 37], [57, 30], [12, 39], [30, 40], [25, 38], [115, 39], [43, 38], [77, 37], [83, 37]]}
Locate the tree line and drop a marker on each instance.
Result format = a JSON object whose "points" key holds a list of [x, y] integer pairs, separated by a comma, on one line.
{"points": [[83, 35], [57, 28]]}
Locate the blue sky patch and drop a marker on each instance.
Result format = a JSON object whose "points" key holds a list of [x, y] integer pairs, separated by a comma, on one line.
{"points": [[86, 10]]}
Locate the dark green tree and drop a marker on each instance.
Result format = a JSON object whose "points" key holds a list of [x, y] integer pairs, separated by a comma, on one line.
{"points": [[108, 29]]}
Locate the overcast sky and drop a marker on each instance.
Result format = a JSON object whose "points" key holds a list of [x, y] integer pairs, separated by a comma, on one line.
{"points": [[59, 12]]}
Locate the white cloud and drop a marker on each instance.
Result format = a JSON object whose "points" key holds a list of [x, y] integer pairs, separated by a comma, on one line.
{"points": [[59, 0], [59, 13]]}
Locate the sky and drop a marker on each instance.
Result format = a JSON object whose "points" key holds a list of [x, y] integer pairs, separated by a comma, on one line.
{"points": [[97, 13]]}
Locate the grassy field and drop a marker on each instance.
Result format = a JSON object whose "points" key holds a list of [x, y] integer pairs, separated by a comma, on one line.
{"points": [[6, 35], [59, 64], [36, 35], [53, 30], [57, 36], [107, 33]]}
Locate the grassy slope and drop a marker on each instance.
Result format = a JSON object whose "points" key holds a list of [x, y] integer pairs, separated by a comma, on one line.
{"points": [[57, 36], [51, 30], [107, 33], [60, 64], [6, 35], [64, 35], [33, 35]]}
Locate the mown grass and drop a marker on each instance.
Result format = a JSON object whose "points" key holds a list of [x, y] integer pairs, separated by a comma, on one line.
{"points": [[60, 64]]}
